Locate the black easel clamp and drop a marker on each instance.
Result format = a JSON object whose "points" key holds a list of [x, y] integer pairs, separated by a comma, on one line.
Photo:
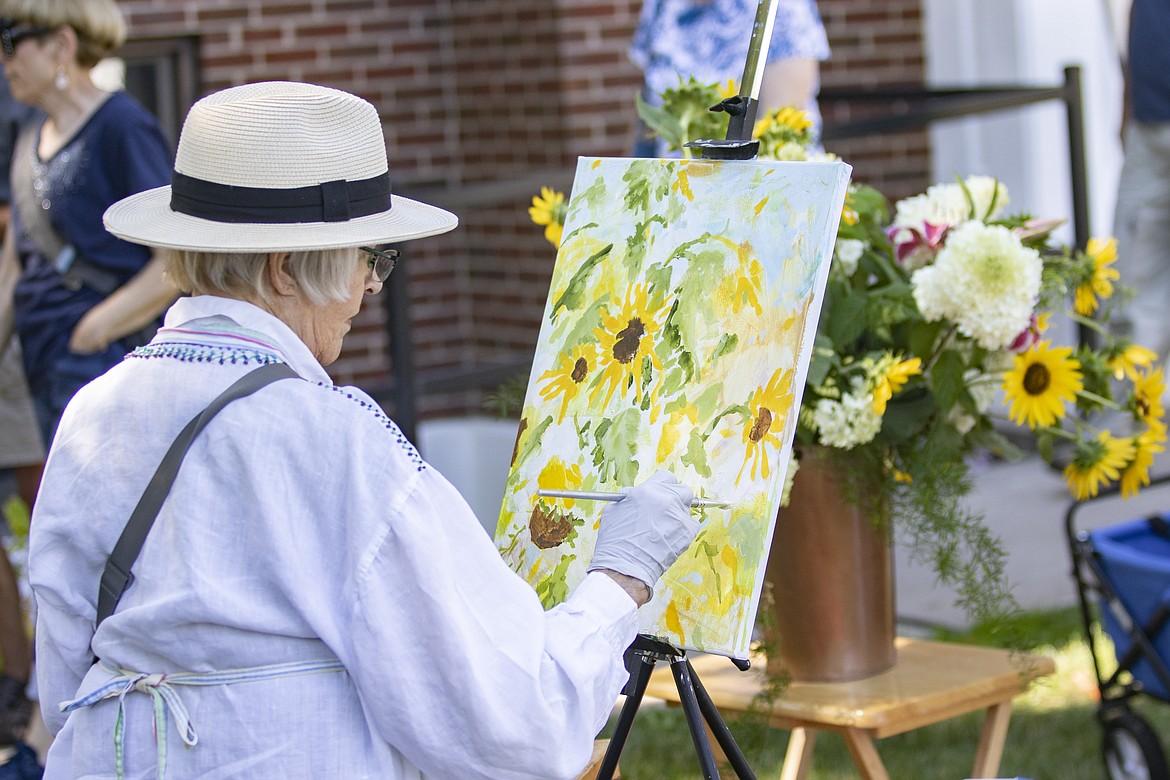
{"points": [[738, 145]]}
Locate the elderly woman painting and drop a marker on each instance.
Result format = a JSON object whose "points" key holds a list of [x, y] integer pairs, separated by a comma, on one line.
{"points": [[313, 600]]}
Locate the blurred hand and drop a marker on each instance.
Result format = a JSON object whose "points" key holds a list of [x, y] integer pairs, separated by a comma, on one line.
{"points": [[643, 534]]}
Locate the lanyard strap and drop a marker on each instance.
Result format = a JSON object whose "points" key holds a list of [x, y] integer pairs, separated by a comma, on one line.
{"points": [[117, 577]]}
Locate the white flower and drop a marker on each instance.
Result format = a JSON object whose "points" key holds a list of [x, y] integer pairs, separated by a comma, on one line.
{"points": [[960, 419], [847, 252], [983, 390], [848, 422], [947, 204], [789, 476], [985, 280], [791, 151], [983, 387]]}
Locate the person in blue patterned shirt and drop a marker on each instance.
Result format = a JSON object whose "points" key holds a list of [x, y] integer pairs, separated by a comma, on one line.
{"points": [[709, 39]]}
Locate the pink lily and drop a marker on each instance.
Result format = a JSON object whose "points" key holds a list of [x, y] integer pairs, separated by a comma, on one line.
{"points": [[921, 247], [1028, 337]]}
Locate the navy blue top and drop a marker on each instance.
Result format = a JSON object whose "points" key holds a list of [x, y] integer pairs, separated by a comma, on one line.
{"points": [[119, 151], [1149, 60]]}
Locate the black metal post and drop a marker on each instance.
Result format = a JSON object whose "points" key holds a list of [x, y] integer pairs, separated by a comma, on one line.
{"points": [[397, 302], [1074, 103]]}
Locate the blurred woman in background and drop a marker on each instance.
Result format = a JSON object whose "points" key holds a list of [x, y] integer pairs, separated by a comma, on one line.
{"points": [[78, 297]]}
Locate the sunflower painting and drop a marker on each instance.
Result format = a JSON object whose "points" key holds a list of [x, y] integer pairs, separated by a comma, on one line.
{"points": [[677, 335]]}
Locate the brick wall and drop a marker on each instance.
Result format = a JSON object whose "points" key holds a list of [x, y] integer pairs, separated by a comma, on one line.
{"points": [[484, 101], [876, 43]]}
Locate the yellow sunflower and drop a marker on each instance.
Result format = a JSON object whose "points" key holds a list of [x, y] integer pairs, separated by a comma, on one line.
{"points": [[569, 376], [1096, 462], [1136, 475], [892, 380], [1040, 382], [548, 209], [1099, 287], [1128, 358], [769, 407], [1148, 389], [551, 522], [790, 119], [626, 342], [849, 215]]}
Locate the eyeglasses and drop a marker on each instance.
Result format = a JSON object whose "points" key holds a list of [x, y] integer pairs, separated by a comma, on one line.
{"points": [[382, 261], [11, 35]]}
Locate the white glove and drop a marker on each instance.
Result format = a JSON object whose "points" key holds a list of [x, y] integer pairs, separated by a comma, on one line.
{"points": [[643, 534]]}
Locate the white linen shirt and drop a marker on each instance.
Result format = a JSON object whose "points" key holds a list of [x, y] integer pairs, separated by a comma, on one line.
{"points": [[302, 526]]}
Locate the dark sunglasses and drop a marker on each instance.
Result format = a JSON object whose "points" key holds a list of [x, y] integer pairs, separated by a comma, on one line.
{"points": [[381, 261], [11, 35]]}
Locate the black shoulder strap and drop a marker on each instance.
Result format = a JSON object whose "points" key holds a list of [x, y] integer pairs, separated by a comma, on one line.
{"points": [[117, 577]]}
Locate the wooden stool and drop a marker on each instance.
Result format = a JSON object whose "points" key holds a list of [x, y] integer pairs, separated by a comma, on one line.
{"points": [[931, 682], [599, 748]]}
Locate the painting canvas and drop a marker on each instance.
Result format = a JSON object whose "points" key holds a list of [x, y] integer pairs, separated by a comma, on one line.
{"points": [[677, 334]]}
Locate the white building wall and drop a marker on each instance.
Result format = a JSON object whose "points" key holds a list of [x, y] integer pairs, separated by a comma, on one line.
{"points": [[1029, 42]]}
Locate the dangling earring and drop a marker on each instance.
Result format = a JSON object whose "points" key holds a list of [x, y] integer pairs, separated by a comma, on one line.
{"points": [[61, 80]]}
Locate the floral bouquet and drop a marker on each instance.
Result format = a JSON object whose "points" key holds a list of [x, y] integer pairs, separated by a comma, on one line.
{"points": [[937, 339]]}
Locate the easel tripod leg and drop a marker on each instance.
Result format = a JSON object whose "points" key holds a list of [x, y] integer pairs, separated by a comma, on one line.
{"points": [[719, 728], [684, 681], [635, 690]]}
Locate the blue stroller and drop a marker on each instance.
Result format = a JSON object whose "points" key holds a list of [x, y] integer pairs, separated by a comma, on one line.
{"points": [[1124, 570]]}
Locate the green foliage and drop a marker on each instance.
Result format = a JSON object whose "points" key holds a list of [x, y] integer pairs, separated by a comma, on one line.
{"points": [[508, 398], [685, 114]]}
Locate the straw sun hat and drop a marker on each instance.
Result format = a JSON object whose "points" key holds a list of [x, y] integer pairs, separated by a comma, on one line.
{"points": [[277, 166]]}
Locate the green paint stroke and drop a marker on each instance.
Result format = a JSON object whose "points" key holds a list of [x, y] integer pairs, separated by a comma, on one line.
{"points": [[616, 448], [573, 297], [554, 588]]}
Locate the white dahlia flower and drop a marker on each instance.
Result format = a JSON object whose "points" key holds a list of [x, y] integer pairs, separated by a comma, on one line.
{"points": [[984, 280]]}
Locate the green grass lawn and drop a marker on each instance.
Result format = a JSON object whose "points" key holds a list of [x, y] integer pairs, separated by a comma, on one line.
{"points": [[1053, 735]]}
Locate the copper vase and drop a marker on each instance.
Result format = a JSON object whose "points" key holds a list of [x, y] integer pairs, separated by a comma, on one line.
{"points": [[831, 570]]}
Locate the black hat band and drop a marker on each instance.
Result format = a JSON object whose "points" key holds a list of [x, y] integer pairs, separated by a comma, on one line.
{"points": [[331, 201]]}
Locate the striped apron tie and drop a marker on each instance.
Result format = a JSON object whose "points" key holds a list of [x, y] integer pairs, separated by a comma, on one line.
{"points": [[161, 688]]}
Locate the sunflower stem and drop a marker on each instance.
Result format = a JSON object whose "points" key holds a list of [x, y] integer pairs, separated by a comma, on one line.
{"points": [[1106, 402], [946, 337]]}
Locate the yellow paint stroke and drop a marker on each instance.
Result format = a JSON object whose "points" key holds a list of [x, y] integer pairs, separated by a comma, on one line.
{"points": [[731, 561], [673, 623], [682, 184], [760, 206]]}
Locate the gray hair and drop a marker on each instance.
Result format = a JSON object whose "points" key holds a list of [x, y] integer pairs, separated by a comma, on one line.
{"points": [[323, 275]]}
